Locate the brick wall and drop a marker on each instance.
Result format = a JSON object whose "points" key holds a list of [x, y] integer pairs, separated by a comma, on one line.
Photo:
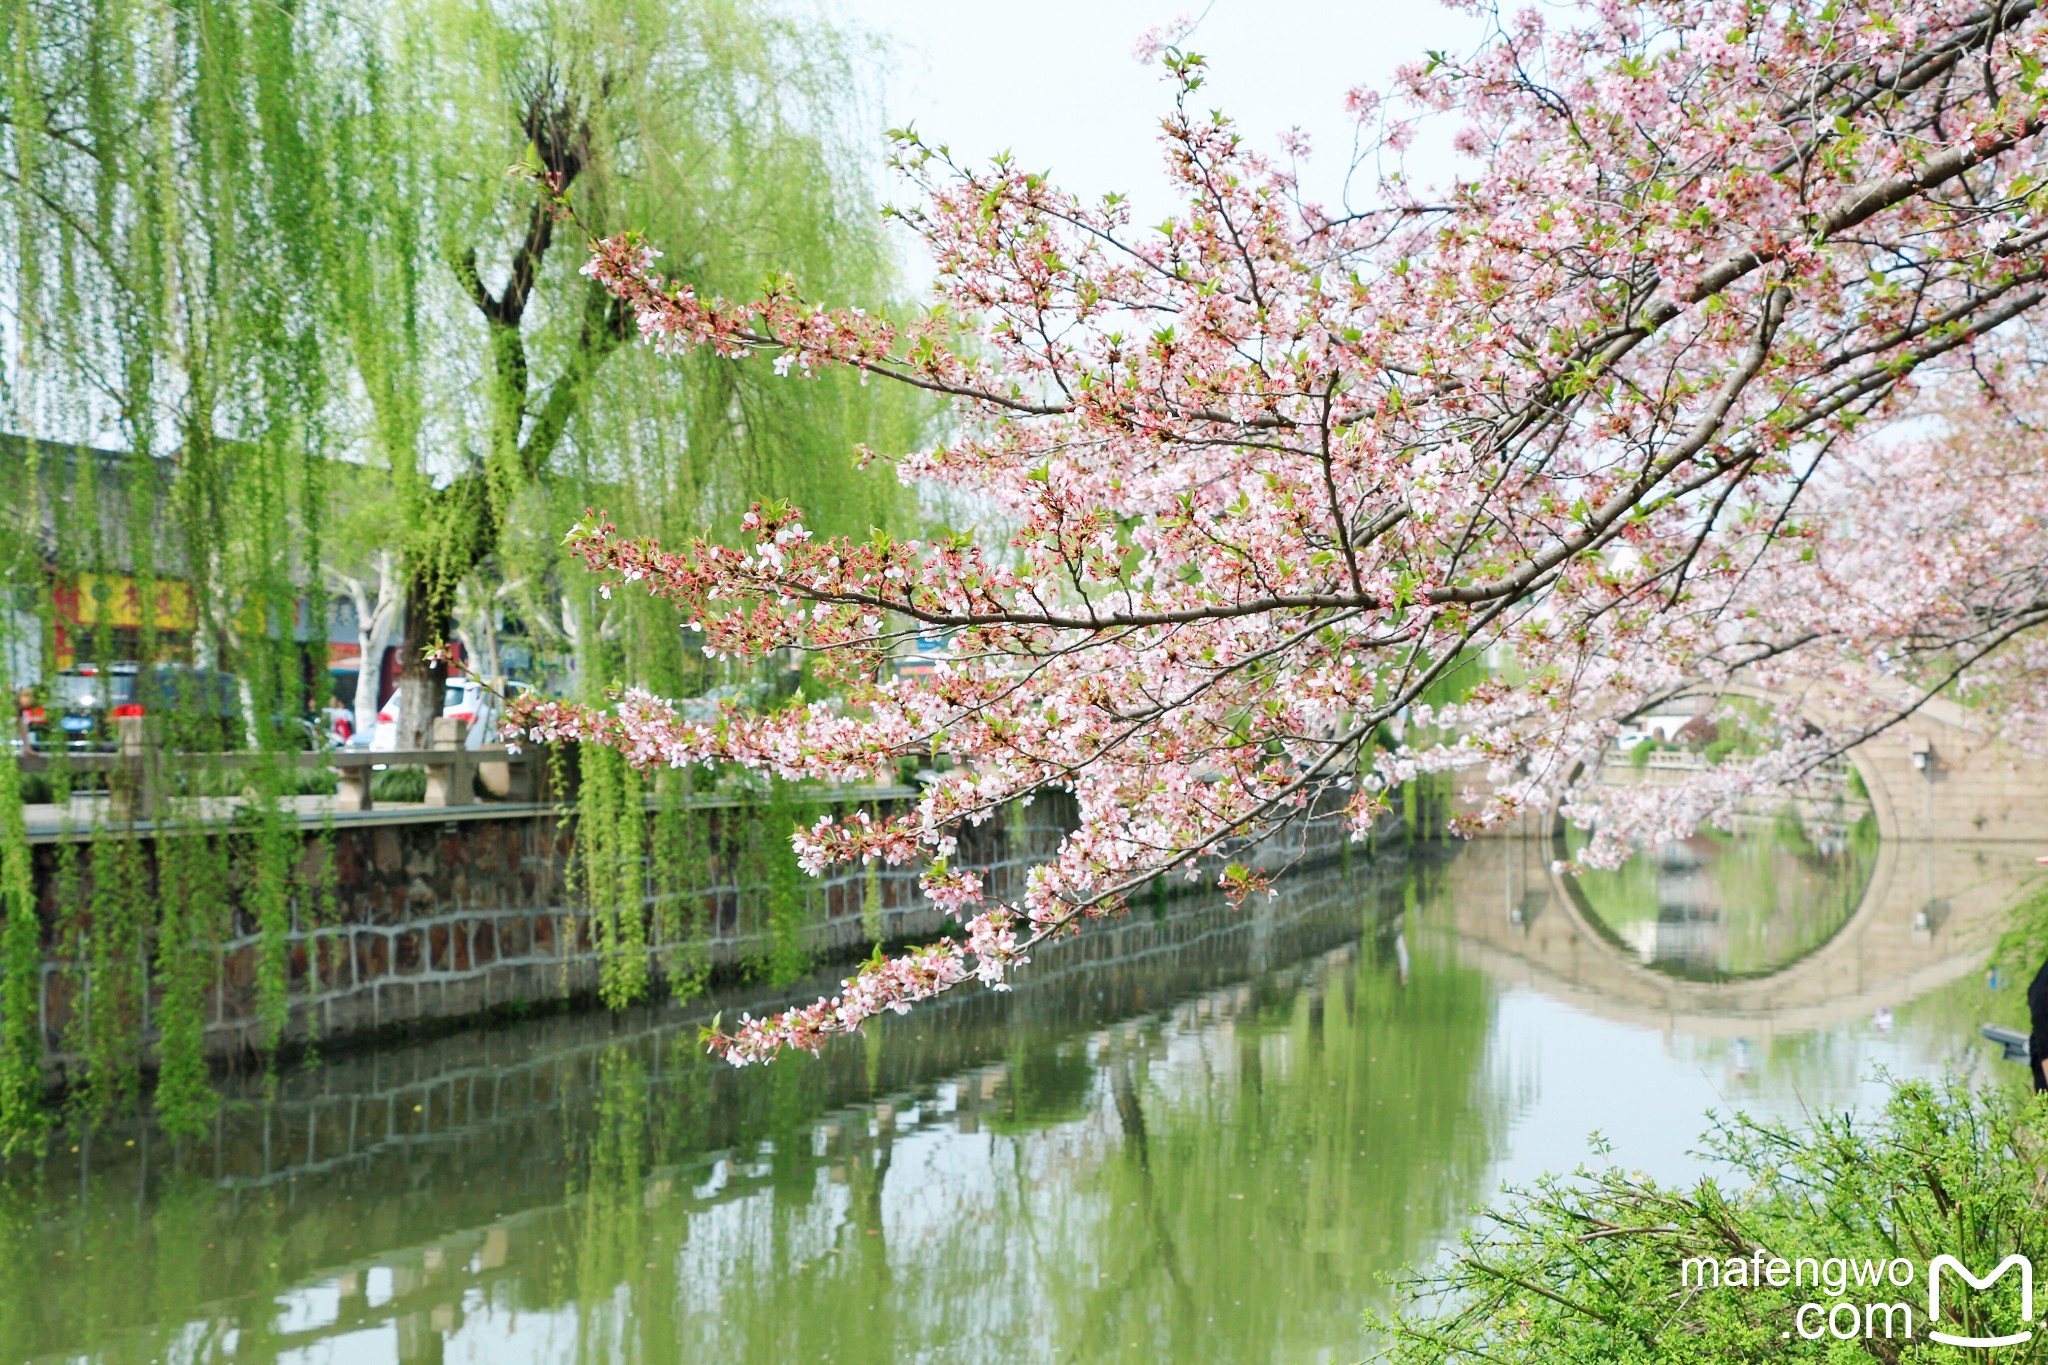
{"points": [[504, 1098], [451, 914], [444, 915]]}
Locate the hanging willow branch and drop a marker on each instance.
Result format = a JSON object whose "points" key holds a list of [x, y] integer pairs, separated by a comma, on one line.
{"points": [[275, 310]]}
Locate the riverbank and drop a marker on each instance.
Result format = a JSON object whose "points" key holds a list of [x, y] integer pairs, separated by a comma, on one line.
{"points": [[402, 917], [406, 918], [407, 1179]]}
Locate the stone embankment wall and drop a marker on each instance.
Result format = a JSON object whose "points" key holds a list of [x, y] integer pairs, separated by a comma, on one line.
{"points": [[439, 916], [391, 1120], [444, 915], [352, 1189]]}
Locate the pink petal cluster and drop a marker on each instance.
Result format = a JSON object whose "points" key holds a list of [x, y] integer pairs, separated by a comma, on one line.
{"points": [[890, 984]]}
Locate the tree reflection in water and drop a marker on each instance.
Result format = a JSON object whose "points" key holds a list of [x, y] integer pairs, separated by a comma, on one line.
{"points": [[1204, 1136]]}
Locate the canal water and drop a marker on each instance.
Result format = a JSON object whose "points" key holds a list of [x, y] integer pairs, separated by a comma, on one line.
{"points": [[1195, 1136]]}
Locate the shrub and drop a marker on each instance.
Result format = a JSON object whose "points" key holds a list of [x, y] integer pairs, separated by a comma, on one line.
{"points": [[1592, 1266]]}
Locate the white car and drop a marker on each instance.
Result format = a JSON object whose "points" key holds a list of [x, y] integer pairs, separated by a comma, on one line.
{"points": [[465, 699]]}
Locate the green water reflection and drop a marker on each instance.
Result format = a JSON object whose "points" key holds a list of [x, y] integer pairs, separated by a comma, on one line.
{"points": [[1206, 1139], [1200, 1137], [1718, 906]]}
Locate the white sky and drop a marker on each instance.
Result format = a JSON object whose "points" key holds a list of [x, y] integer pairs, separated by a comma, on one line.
{"points": [[1055, 81]]}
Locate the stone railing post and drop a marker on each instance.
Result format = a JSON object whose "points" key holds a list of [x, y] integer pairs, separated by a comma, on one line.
{"points": [[135, 783], [352, 786], [509, 776], [450, 782]]}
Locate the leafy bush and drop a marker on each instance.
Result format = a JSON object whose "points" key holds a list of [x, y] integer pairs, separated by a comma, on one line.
{"points": [[399, 784], [1592, 1266]]}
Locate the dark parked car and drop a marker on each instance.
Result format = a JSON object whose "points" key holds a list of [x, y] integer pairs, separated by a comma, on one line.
{"points": [[202, 707]]}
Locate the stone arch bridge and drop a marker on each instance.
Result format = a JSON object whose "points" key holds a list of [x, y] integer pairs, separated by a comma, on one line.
{"points": [[1942, 774], [1960, 813], [1929, 916]]}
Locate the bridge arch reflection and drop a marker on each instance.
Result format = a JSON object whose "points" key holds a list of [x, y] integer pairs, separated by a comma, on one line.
{"points": [[1928, 916]]}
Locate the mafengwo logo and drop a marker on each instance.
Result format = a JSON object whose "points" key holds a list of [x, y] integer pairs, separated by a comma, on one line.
{"points": [[2015, 1261], [1854, 1302]]}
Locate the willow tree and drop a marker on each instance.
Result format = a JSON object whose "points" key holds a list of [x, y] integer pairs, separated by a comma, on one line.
{"points": [[484, 353], [269, 257], [244, 234]]}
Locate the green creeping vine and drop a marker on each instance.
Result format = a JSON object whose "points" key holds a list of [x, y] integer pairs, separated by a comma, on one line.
{"points": [[67, 872], [319, 906], [21, 964], [611, 872], [772, 887], [144, 922], [642, 858], [787, 888], [871, 904], [681, 854], [271, 847], [191, 870], [115, 974]]}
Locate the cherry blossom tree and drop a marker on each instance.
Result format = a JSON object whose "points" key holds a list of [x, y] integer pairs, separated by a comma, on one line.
{"points": [[1917, 567], [1259, 477]]}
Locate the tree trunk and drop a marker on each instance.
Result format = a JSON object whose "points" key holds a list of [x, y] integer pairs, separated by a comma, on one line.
{"points": [[429, 621], [369, 672], [373, 632]]}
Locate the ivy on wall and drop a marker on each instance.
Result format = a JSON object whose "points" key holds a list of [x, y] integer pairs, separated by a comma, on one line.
{"points": [[680, 856], [643, 859], [611, 829], [21, 963]]}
